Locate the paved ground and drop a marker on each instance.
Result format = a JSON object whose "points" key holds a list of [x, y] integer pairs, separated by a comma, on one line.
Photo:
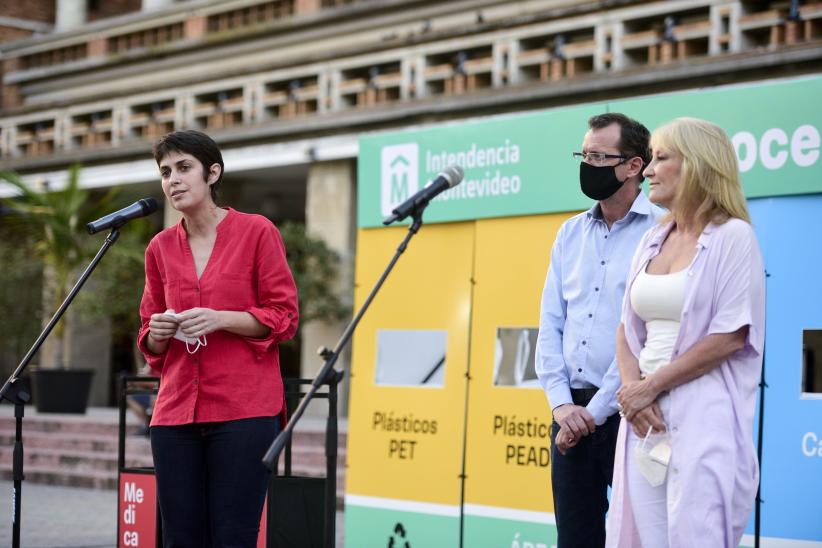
{"points": [[72, 517], [69, 517]]}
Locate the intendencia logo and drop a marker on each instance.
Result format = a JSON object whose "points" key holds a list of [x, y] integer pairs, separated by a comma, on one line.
{"points": [[399, 175]]}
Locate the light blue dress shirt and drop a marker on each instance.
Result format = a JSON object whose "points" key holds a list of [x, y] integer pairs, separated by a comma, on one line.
{"points": [[582, 302]]}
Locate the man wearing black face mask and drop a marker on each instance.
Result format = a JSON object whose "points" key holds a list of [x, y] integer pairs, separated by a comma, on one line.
{"points": [[580, 312]]}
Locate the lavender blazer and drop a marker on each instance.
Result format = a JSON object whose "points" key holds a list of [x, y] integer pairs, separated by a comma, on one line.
{"points": [[713, 474]]}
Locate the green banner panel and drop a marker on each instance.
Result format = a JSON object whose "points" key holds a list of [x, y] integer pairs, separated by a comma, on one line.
{"points": [[522, 165], [490, 532], [775, 128], [369, 527], [514, 165]]}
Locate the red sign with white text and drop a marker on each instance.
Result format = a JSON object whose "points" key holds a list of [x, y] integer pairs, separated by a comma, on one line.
{"points": [[261, 536], [137, 509]]}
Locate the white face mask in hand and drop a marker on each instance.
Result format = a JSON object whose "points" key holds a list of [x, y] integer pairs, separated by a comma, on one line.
{"points": [[652, 456], [196, 343], [180, 336]]}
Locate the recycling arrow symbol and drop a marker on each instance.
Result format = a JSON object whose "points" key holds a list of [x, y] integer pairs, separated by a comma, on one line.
{"points": [[397, 540]]}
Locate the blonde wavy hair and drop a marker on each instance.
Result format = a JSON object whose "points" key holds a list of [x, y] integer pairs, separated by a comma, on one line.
{"points": [[709, 188]]}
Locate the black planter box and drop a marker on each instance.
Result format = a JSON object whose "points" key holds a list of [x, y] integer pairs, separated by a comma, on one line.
{"points": [[295, 512], [61, 390]]}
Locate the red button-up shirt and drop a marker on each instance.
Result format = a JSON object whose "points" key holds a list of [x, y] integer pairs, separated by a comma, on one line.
{"points": [[233, 377]]}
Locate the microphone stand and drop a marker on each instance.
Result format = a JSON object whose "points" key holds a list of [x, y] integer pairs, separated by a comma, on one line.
{"points": [[329, 375], [759, 442], [19, 396]]}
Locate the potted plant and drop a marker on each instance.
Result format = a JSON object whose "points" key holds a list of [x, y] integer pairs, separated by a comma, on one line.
{"points": [[63, 246], [20, 292], [316, 270], [115, 299]]}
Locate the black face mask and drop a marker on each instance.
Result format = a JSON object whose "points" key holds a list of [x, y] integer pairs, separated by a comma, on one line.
{"points": [[598, 183]]}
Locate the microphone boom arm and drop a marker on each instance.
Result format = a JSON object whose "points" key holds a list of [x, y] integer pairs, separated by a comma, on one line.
{"points": [[328, 373]]}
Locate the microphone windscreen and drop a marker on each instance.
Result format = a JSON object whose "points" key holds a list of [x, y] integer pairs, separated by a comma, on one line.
{"points": [[453, 174], [149, 205]]}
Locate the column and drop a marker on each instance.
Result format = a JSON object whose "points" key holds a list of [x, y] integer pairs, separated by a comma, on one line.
{"points": [[306, 6], [330, 213], [71, 14], [151, 5]]}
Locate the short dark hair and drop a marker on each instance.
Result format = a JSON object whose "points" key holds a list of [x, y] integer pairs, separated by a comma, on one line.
{"points": [[199, 145], [633, 137]]}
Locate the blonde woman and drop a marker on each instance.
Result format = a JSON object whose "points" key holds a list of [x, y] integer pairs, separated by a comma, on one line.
{"points": [[689, 350]]}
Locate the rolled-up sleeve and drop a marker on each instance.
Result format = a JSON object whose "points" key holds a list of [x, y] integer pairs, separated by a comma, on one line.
{"points": [[740, 287], [276, 292], [152, 302]]}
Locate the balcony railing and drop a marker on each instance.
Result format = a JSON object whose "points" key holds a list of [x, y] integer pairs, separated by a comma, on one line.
{"points": [[249, 16], [143, 39], [53, 57], [541, 53]]}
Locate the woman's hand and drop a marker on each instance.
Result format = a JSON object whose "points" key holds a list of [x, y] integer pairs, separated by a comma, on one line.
{"points": [[636, 396], [161, 327], [648, 417], [196, 322]]}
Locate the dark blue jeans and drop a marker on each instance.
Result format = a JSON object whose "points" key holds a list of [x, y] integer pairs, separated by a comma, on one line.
{"points": [[211, 483], [580, 480]]}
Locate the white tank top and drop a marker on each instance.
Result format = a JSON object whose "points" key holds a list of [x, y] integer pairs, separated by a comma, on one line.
{"points": [[658, 299]]}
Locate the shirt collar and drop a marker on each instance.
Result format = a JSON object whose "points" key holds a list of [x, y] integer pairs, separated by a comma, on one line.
{"points": [[222, 226], [662, 232], [641, 206], [707, 234]]}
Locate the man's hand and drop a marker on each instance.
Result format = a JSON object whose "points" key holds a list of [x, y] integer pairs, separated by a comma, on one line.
{"points": [[574, 418], [565, 440], [647, 417]]}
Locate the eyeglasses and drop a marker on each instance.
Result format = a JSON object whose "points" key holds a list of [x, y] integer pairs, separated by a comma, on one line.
{"points": [[595, 158]]}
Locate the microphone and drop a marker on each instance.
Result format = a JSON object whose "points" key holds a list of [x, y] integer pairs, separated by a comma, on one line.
{"points": [[140, 208], [450, 177]]}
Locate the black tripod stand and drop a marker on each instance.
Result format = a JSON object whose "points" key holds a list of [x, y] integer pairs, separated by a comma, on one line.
{"points": [[760, 444], [329, 375], [16, 394]]}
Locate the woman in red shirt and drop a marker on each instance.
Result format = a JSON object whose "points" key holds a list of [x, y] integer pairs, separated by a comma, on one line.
{"points": [[218, 299]]}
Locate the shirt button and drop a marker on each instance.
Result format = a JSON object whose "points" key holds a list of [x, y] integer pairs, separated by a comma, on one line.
{"points": [[590, 315], [584, 343], [602, 263], [197, 289], [196, 382], [596, 289], [606, 236], [579, 370]]}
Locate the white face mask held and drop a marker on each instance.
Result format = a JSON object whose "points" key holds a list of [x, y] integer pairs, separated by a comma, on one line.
{"points": [[652, 456], [196, 343]]}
